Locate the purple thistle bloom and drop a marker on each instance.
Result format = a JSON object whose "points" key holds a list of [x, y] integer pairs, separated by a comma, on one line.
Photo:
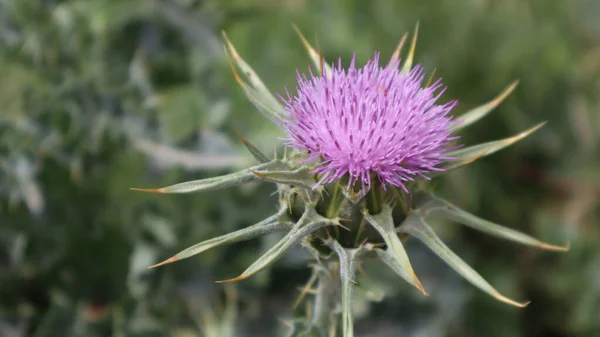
{"points": [[370, 120]]}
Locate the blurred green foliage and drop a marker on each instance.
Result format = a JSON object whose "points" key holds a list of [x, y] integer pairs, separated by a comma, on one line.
{"points": [[99, 96]]}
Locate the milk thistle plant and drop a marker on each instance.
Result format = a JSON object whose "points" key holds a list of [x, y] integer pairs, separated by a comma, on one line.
{"points": [[361, 145]]}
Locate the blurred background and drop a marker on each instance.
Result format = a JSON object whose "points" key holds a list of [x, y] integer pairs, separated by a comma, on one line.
{"points": [[97, 96]]}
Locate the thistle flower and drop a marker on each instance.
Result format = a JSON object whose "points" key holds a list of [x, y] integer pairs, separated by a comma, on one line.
{"points": [[370, 120], [380, 128]]}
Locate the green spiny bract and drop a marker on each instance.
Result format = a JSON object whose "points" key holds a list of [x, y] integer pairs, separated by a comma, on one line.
{"points": [[346, 220]]}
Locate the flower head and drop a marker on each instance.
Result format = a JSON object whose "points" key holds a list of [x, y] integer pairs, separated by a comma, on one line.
{"points": [[370, 120]]}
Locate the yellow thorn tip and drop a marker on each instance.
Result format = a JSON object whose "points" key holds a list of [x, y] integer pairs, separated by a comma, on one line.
{"points": [[167, 261], [507, 300], [556, 248], [147, 190], [236, 279]]}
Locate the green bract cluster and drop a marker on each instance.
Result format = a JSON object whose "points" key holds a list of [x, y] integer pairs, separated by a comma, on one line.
{"points": [[345, 227]]}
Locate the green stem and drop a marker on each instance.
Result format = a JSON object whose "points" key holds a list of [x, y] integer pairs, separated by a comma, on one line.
{"points": [[336, 202], [333, 206], [375, 197], [327, 298]]}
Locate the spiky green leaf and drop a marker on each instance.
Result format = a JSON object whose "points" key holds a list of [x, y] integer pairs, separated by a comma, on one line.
{"points": [[216, 183], [271, 113], [470, 154], [308, 223], [481, 111], [298, 177], [439, 207], [262, 92], [272, 224], [388, 258], [416, 226], [315, 57], [384, 224]]}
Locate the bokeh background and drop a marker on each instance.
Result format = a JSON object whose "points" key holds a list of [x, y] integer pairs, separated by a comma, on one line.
{"points": [[97, 96]]}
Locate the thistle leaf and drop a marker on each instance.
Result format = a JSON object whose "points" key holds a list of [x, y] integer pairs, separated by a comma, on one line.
{"points": [[316, 58], [299, 177], [481, 111], [470, 154], [442, 208], [262, 92], [411, 54], [308, 223], [348, 261], [253, 150], [416, 226], [267, 226], [384, 224], [272, 112], [216, 183], [389, 259]]}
